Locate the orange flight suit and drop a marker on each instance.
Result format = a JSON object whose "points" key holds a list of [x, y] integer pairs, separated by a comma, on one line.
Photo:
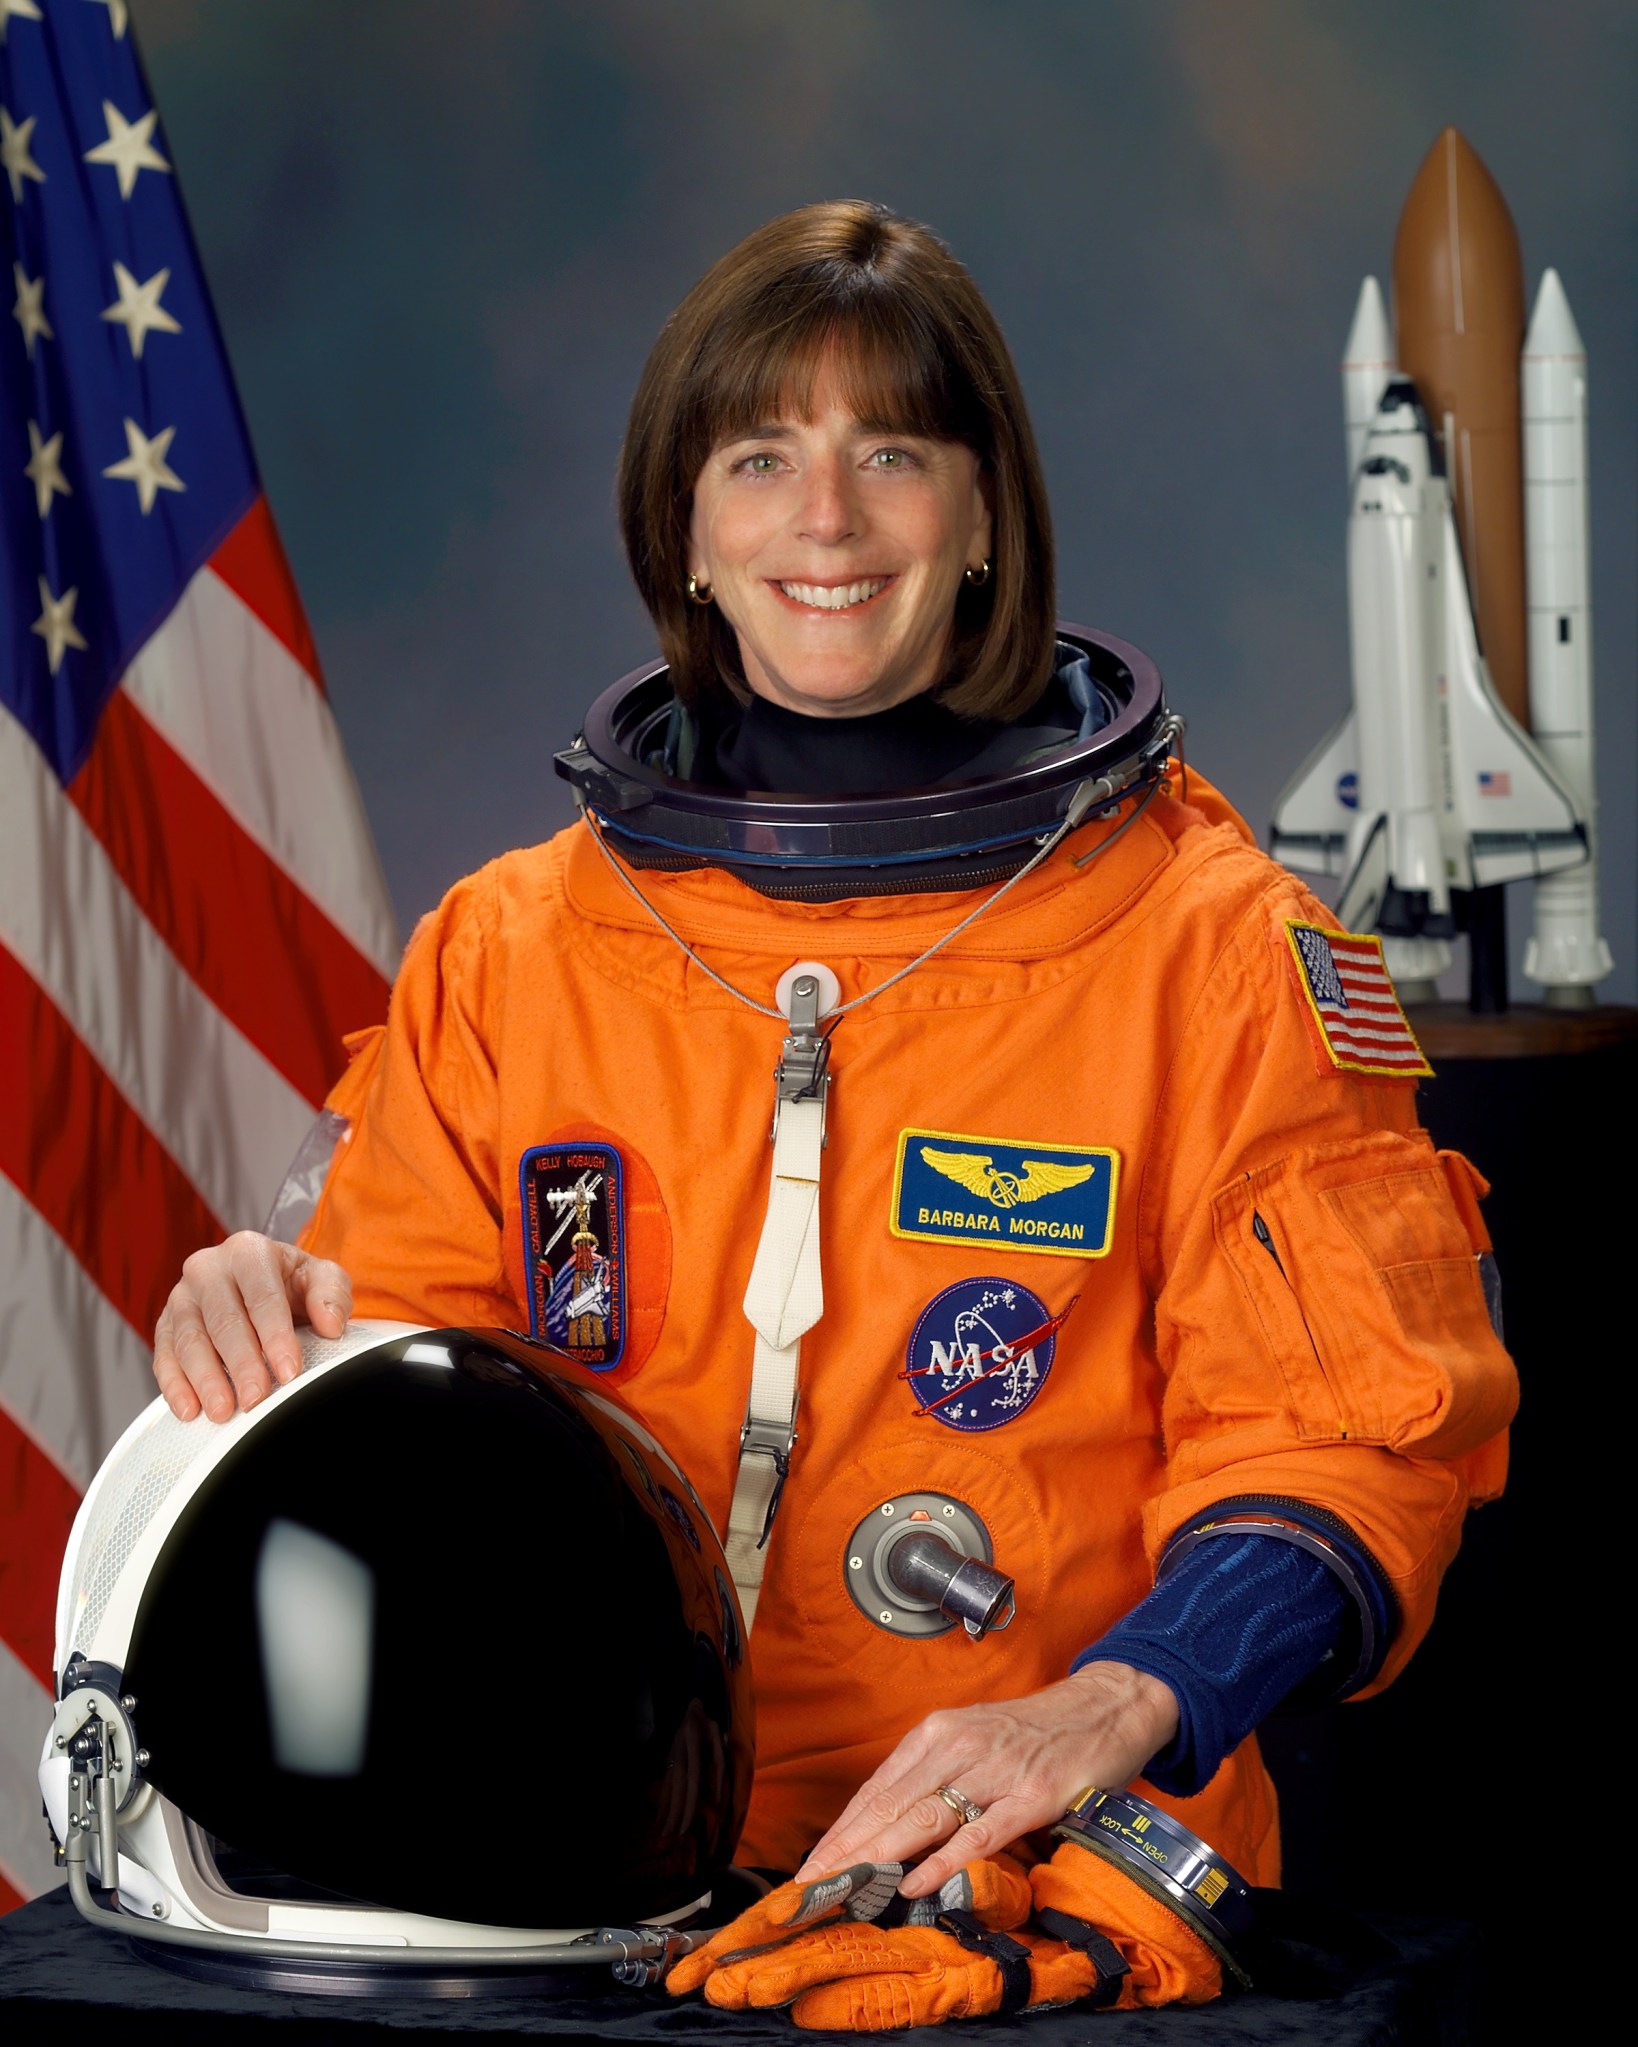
{"points": [[1149, 1004]]}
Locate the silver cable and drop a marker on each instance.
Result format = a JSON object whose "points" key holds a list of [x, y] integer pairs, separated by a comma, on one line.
{"points": [[1078, 806]]}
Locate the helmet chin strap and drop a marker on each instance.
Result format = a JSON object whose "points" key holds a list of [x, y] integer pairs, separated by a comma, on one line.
{"points": [[785, 1296]]}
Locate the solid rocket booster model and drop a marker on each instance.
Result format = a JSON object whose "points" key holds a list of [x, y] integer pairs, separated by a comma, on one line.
{"points": [[1566, 951], [1467, 572]]}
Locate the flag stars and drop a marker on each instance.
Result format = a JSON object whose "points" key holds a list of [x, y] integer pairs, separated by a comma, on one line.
{"points": [[56, 626], [20, 10], [139, 311], [145, 465], [14, 154], [44, 469], [118, 16], [29, 311], [129, 149]]}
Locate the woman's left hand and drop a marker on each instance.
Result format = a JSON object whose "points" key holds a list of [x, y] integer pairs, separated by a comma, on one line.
{"points": [[1022, 1760]]}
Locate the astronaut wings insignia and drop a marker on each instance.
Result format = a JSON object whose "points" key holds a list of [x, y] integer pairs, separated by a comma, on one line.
{"points": [[978, 1173], [1053, 1198]]}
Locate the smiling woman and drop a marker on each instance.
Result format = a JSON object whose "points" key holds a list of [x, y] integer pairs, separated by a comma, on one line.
{"points": [[1175, 1412], [834, 405], [835, 554]]}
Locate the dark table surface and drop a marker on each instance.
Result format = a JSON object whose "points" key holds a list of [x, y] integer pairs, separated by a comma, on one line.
{"points": [[1344, 1982]]}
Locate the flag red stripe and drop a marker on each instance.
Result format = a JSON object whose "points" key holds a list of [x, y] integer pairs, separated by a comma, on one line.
{"points": [[251, 561], [234, 919], [37, 1508], [1383, 1055], [9, 1899], [1380, 1055], [78, 1151]]}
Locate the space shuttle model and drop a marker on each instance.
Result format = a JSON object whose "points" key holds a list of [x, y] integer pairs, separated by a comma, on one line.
{"points": [[1467, 759]]}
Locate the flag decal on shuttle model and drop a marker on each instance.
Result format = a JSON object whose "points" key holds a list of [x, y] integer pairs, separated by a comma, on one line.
{"points": [[1351, 1003], [191, 913]]}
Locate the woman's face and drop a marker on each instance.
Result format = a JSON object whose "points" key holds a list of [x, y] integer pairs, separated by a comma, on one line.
{"points": [[836, 555]]}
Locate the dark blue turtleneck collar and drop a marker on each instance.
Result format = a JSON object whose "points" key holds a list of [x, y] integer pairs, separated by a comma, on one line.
{"points": [[914, 745]]}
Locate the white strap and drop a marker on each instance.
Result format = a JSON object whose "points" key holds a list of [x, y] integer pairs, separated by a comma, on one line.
{"points": [[783, 1300]]}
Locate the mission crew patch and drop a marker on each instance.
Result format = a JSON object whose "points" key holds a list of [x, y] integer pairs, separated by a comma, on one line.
{"points": [[574, 1249], [1058, 1199]]}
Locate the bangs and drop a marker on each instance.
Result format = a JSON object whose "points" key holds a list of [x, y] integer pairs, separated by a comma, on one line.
{"points": [[893, 365]]}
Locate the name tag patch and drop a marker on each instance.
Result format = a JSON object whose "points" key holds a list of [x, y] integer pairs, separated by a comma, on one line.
{"points": [[1058, 1199], [980, 1353], [574, 1250]]}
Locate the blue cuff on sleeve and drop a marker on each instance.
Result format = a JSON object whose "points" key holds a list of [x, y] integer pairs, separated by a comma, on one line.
{"points": [[1240, 1622]]}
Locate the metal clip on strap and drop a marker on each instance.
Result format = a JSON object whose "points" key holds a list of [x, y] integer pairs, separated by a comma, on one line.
{"points": [[803, 1072], [771, 1440]]}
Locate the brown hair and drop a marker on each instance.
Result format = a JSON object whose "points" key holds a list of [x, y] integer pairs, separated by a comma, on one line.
{"points": [[918, 352]]}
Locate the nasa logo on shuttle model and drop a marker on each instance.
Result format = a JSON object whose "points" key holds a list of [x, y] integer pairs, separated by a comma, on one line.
{"points": [[980, 1353]]}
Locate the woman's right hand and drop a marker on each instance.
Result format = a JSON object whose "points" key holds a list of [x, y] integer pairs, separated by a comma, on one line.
{"points": [[228, 1331]]}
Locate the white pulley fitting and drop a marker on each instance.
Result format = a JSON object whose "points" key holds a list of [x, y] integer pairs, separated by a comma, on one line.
{"points": [[830, 989]]}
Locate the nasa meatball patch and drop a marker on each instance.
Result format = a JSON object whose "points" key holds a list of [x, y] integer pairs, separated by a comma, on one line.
{"points": [[1053, 1198], [574, 1250], [980, 1353]]}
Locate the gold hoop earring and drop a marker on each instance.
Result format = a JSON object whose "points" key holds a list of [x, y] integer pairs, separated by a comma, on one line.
{"points": [[699, 593], [980, 576]]}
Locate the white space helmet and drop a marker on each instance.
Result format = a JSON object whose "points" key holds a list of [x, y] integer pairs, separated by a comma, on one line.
{"points": [[432, 1657]]}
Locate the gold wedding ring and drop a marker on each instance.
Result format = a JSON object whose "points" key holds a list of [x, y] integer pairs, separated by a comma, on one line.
{"points": [[959, 1803]]}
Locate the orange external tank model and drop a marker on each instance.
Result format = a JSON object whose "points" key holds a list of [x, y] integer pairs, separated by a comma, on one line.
{"points": [[1458, 287]]}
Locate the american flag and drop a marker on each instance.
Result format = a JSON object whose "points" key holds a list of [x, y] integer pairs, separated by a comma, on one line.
{"points": [[1352, 1006], [191, 912]]}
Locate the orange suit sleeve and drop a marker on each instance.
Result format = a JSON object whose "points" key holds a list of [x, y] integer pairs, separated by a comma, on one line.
{"points": [[1320, 1313], [412, 1205]]}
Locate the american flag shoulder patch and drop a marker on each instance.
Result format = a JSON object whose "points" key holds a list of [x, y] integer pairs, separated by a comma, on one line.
{"points": [[1352, 1004]]}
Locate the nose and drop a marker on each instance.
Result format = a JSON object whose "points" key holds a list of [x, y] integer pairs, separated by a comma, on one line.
{"points": [[829, 511]]}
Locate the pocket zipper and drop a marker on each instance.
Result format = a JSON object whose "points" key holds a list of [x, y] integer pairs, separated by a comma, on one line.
{"points": [[1265, 1237], [1260, 1231]]}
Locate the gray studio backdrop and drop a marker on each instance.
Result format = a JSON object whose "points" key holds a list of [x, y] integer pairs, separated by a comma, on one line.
{"points": [[442, 233]]}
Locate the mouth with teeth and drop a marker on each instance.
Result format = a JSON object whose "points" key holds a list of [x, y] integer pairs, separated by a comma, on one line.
{"points": [[834, 596]]}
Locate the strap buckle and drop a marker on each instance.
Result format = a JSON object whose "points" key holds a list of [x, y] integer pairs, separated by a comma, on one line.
{"points": [[774, 1440], [803, 1072]]}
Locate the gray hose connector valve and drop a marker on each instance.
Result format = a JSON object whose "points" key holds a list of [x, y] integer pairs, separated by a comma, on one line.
{"points": [[924, 1566]]}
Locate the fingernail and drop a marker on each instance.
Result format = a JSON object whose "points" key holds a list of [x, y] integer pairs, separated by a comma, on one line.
{"points": [[334, 1308], [249, 1396], [219, 1407]]}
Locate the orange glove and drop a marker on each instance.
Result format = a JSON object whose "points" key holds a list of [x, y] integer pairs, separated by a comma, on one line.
{"points": [[1167, 1962], [811, 1946]]}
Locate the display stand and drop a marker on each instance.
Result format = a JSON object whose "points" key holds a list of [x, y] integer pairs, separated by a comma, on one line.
{"points": [[1413, 1801]]}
